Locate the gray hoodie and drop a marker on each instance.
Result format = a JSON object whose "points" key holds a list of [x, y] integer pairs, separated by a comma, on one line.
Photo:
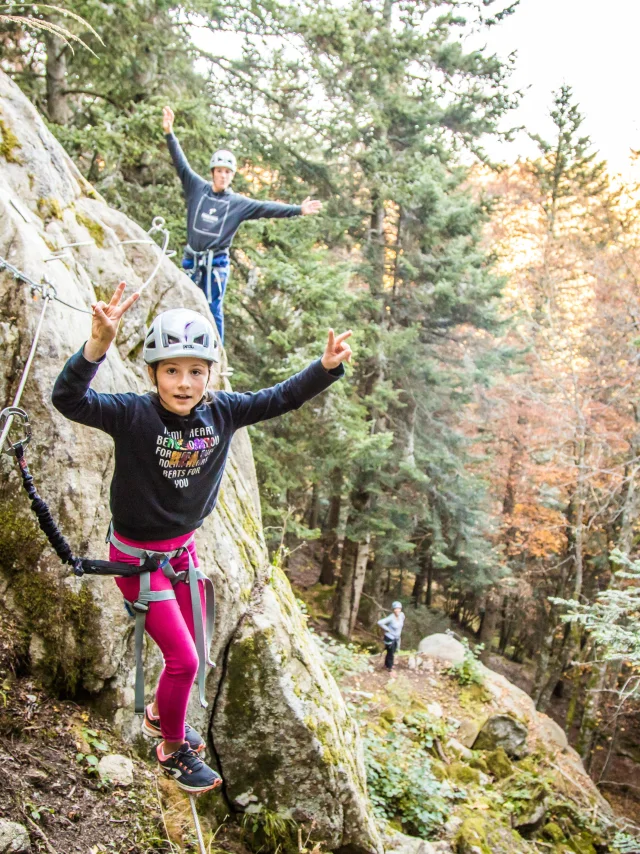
{"points": [[392, 625]]}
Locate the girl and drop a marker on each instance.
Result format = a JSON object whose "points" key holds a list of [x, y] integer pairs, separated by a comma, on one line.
{"points": [[171, 446]]}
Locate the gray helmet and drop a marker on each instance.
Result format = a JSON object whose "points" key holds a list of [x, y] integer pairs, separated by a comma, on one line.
{"points": [[222, 157], [395, 605], [180, 332]]}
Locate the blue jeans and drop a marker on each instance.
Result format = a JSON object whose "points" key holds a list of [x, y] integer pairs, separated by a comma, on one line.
{"points": [[219, 279]]}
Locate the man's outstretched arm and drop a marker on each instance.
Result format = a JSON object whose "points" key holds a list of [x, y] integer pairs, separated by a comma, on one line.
{"points": [[256, 209], [186, 174]]}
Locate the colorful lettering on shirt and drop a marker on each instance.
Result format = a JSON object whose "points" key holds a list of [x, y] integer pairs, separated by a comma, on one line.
{"points": [[179, 457]]}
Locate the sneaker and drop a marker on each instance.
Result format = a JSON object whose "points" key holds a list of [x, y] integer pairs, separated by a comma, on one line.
{"points": [[151, 726], [187, 771]]}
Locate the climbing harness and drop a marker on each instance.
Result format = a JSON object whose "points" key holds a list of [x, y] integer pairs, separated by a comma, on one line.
{"points": [[191, 576], [205, 260]]}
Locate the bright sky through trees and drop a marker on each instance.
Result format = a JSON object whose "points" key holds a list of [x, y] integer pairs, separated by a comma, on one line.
{"points": [[591, 46]]}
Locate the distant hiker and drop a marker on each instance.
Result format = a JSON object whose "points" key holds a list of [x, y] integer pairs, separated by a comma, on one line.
{"points": [[171, 447], [392, 626], [214, 214]]}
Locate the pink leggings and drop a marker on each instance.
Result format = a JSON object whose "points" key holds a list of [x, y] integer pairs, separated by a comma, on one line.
{"points": [[170, 624]]}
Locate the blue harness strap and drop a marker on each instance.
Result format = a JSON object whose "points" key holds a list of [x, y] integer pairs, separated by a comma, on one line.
{"points": [[146, 596]]}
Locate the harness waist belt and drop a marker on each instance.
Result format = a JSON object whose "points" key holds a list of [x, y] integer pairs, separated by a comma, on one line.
{"points": [[207, 259]]}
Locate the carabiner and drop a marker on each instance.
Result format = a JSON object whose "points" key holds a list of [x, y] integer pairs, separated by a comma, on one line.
{"points": [[8, 415]]}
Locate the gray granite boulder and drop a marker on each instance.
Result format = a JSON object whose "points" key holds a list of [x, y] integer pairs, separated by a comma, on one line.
{"points": [[442, 647], [503, 731]]}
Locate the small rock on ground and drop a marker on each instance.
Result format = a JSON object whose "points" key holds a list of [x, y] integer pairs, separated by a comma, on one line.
{"points": [[14, 838], [116, 768]]}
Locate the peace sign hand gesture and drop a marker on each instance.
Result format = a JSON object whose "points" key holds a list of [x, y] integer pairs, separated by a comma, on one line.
{"points": [[336, 352], [105, 322]]}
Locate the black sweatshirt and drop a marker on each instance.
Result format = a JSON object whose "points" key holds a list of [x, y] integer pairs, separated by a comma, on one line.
{"points": [[168, 467], [214, 218]]}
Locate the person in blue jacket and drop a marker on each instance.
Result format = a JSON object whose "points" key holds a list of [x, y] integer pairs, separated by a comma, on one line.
{"points": [[171, 447], [214, 214]]}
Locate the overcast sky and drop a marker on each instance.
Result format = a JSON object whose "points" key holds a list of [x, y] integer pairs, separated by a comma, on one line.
{"points": [[592, 46]]}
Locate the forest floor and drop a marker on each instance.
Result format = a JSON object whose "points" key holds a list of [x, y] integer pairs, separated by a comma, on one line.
{"points": [[621, 782], [50, 784]]}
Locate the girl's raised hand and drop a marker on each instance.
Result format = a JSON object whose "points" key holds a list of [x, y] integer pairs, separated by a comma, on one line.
{"points": [[105, 322], [336, 352], [167, 119]]}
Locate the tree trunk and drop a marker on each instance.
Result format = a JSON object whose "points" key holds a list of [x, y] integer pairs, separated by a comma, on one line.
{"points": [[314, 509], [591, 712], [58, 108], [354, 563], [373, 592], [602, 673], [571, 635], [330, 539], [489, 625]]}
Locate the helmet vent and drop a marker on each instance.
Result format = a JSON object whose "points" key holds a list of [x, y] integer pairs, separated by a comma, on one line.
{"points": [[171, 339], [202, 339]]}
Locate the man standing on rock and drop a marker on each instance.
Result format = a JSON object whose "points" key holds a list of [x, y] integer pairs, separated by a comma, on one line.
{"points": [[214, 214], [392, 626]]}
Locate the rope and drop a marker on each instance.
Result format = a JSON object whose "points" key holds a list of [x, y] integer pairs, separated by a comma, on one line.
{"points": [[196, 822], [38, 505], [40, 288], [25, 372], [80, 565], [157, 226]]}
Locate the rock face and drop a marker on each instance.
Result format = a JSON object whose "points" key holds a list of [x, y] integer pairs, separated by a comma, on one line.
{"points": [[276, 721], [400, 843]]}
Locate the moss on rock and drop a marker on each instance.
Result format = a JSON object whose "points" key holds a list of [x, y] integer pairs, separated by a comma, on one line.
{"points": [[458, 772], [49, 208], [9, 144], [553, 832], [499, 764], [582, 843], [472, 837], [480, 763], [94, 228], [61, 623]]}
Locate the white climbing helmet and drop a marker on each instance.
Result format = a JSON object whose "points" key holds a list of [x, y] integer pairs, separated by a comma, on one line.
{"points": [[180, 332], [395, 605], [222, 157]]}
